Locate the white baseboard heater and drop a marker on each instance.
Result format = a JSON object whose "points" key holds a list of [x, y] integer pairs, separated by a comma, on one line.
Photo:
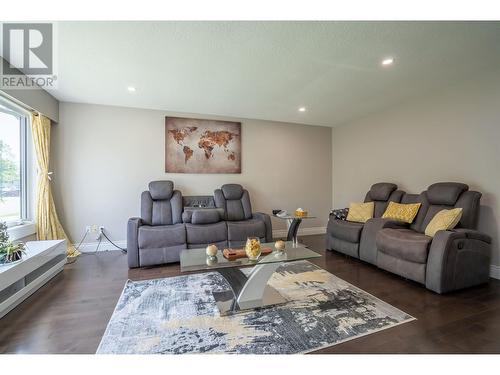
{"points": [[43, 260]]}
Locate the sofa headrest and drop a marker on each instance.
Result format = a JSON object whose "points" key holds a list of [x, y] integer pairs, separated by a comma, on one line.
{"points": [[232, 191], [382, 191], [160, 190], [445, 193]]}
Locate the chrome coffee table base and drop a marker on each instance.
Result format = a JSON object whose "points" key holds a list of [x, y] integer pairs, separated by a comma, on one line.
{"points": [[293, 228], [248, 292], [227, 305]]}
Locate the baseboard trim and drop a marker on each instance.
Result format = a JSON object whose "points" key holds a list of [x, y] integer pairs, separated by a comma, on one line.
{"points": [[302, 232], [495, 271], [90, 247]]}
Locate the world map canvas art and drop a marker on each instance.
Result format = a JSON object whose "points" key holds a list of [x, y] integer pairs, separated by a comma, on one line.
{"points": [[202, 146]]}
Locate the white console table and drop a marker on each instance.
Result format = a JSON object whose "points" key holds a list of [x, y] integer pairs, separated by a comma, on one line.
{"points": [[43, 260]]}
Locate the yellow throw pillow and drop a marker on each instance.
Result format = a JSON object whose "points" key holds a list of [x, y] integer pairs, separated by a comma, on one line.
{"points": [[401, 212], [360, 212], [443, 220]]}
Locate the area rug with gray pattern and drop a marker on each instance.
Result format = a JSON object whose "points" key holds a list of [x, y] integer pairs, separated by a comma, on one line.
{"points": [[178, 315]]}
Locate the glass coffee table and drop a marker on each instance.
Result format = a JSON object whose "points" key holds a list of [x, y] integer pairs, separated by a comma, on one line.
{"points": [[248, 291]]}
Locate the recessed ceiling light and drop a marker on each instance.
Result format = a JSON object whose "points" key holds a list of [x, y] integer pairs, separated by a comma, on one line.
{"points": [[388, 61], [302, 109], [131, 89]]}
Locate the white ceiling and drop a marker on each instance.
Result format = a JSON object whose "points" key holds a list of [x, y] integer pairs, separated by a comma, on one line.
{"points": [[266, 70]]}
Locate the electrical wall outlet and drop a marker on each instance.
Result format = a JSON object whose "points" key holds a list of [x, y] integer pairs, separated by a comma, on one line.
{"points": [[95, 228], [99, 234], [92, 228]]}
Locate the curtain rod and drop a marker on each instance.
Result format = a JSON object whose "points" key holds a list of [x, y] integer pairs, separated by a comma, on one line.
{"points": [[18, 103]]}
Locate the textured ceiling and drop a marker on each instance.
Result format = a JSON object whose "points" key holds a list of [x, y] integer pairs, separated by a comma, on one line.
{"points": [[266, 70]]}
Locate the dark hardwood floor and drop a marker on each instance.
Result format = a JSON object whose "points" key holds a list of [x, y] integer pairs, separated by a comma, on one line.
{"points": [[70, 313]]}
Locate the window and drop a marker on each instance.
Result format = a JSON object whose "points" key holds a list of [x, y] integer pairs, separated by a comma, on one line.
{"points": [[14, 207]]}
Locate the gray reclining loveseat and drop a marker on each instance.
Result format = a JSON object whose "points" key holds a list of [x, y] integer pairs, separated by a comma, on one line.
{"points": [[451, 260], [170, 223]]}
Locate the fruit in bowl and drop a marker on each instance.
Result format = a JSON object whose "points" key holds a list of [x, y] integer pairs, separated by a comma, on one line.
{"points": [[299, 212]]}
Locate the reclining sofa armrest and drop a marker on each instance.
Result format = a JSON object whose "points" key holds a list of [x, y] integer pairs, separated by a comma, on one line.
{"points": [[132, 241], [368, 246], [473, 234], [267, 221], [457, 259]]}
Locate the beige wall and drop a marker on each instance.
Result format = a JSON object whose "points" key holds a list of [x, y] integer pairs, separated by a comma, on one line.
{"points": [[103, 157], [449, 136]]}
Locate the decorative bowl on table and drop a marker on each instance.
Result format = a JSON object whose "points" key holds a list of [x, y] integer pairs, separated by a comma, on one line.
{"points": [[15, 258], [299, 212], [252, 248]]}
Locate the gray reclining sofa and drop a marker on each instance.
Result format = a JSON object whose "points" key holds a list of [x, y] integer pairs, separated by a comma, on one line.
{"points": [[451, 260], [170, 223]]}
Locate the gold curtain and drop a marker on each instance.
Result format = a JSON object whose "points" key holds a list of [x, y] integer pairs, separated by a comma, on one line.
{"points": [[48, 226]]}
